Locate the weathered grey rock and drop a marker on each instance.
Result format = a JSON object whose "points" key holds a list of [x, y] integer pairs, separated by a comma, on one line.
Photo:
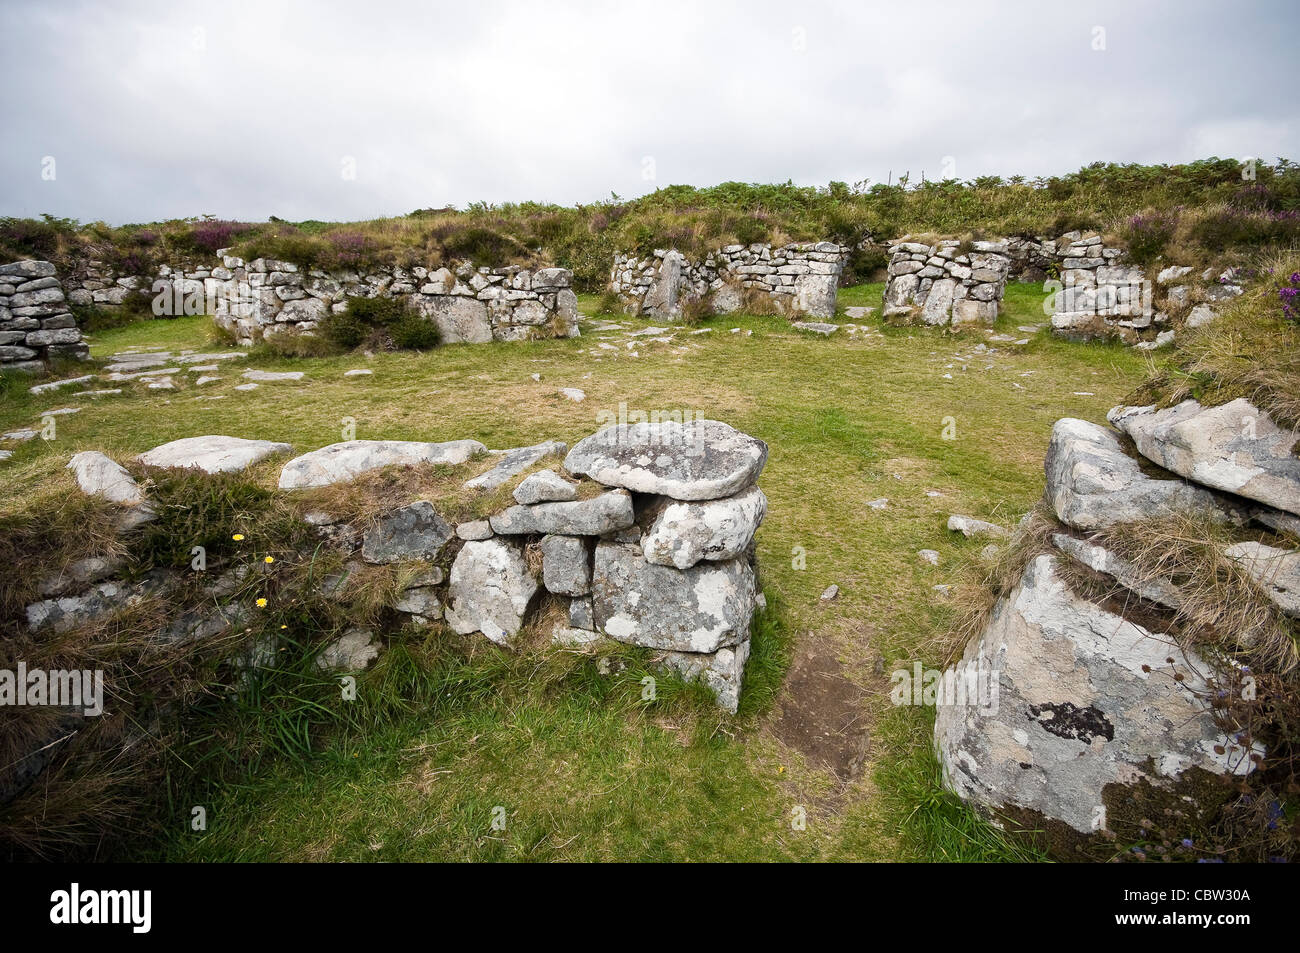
{"points": [[594, 517], [1234, 447], [79, 573], [663, 298], [566, 565], [814, 295], [1084, 699], [353, 651], [1277, 520], [460, 320], [100, 601], [211, 454], [1275, 570], [938, 302], [474, 529], [203, 623], [1102, 560], [1092, 483], [27, 269], [97, 475], [545, 486], [340, 462], [574, 637], [490, 591], [422, 602], [581, 613], [514, 462], [816, 327], [968, 527], [1172, 273], [409, 532], [701, 609], [701, 460], [722, 671], [59, 385], [682, 534]]}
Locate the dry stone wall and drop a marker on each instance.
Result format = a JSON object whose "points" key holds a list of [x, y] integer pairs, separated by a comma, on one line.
{"points": [[798, 279], [643, 532], [264, 297], [943, 284], [35, 323]]}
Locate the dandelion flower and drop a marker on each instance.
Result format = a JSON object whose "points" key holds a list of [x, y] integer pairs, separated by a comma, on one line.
{"points": [[261, 603], [238, 537]]}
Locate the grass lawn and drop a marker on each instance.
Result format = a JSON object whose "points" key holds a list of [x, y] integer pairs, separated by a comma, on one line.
{"points": [[582, 768]]}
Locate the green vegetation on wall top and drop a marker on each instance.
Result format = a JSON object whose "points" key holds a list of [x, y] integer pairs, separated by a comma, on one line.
{"points": [[1197, 209]]}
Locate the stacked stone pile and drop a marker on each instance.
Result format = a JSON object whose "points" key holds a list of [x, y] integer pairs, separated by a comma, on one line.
{"points": [[1095, 695], [799, 279], [943, 284], [35, 323]]}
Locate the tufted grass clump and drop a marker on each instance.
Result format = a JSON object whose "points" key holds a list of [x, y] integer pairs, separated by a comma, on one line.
{"points": [[1250, 350]]}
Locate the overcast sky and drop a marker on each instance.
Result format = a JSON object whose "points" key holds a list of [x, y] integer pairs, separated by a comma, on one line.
{"points": [[130, 112]]}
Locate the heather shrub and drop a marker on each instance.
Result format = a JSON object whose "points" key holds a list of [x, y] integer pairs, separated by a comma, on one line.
{"points": [[1148, 234]]}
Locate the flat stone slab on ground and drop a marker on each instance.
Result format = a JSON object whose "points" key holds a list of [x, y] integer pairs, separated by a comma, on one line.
{"points": [[98, 475], [340, 462], [211, 454], [253, 374], [59, 385]]}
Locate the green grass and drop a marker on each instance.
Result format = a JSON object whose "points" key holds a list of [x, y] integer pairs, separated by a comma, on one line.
{"points": [[583, 769]]}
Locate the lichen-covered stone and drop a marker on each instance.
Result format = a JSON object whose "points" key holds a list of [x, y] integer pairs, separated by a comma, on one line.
{"points": [[340, 462], [566, 565], [701, 609], [682, 534], [594, 517], [415, 531], [1076, 699], [697, 460], [1234, 447], [211, 454], [490, 590], [1092, 483]]}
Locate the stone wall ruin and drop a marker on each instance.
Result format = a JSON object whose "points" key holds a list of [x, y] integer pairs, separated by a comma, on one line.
{"points": [[797, 280]]}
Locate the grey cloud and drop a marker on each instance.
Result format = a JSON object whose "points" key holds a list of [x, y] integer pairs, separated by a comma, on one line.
{"points": [[246, 109]]}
